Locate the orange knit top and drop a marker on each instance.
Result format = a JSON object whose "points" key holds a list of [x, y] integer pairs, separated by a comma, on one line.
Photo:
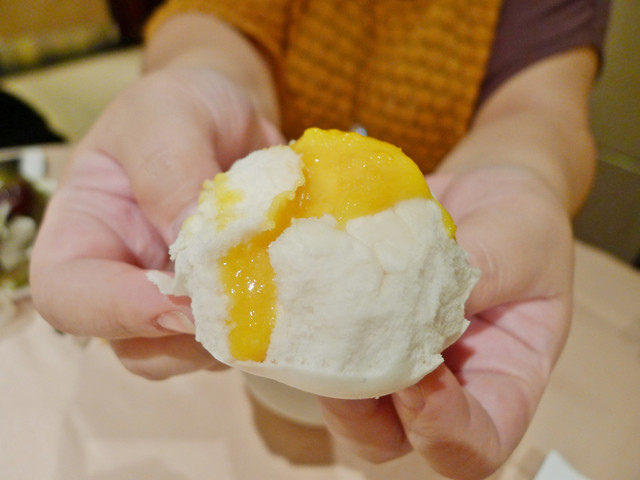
{"points": [[409, 71]]}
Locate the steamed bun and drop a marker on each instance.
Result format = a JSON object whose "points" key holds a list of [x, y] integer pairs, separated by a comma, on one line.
{"points": [[326, 265]]}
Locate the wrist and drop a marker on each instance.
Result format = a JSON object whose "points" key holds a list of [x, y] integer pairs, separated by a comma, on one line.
{"points": [[199, 41], [485, 185]]}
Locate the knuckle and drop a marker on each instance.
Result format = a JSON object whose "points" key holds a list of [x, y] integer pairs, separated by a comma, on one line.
{"points": [[135, 356], [379, 456], [477, 463], [144, 369]]}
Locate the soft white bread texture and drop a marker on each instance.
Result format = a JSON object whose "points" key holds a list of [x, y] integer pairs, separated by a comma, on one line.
{"points": [[362, 311]]}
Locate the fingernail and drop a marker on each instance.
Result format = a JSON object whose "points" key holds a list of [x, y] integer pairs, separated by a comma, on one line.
{"points": [[176, 322], [411, 397]]}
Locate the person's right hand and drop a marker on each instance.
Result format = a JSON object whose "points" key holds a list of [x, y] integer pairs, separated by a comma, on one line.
{"points": [[127, 188]]}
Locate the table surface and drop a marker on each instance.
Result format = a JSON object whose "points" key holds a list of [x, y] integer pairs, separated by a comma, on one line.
{"points": [[69, 410]]}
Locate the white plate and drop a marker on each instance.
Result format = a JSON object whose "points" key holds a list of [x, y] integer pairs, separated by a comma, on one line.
{"points": [[287, 402]]}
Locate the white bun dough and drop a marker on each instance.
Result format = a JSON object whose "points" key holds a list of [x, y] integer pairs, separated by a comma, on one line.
{"points": [[362, 311]]}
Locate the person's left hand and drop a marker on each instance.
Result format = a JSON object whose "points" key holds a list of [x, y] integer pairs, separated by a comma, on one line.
{"points": [[468, 415]]}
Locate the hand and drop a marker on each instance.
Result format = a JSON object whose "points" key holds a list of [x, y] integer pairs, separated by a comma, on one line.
{"points": [[468, 416], [129, 185]]}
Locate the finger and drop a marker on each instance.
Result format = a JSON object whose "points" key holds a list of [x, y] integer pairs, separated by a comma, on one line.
{"points": [[161, 358], [105, 298], [88, 273], [452, 430], [370, 427], [173, 130]]}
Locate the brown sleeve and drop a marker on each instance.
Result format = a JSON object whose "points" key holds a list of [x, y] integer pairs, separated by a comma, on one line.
{"points": [[529, 31]]}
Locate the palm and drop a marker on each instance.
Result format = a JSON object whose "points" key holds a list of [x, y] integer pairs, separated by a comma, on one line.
{"points": [[98, 201]]}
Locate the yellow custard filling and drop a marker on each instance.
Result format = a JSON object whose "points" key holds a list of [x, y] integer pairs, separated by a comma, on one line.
{"points": [[346, 175]]}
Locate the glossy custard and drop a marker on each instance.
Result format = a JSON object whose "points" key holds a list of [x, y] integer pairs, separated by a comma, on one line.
{"points": [[346, 175]]}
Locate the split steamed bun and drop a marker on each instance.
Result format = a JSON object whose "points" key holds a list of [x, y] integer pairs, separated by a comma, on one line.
{"points": [[325, 265]]}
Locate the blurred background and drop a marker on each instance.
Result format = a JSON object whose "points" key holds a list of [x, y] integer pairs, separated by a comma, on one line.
{"points": [[61, 61], [611, 217]]}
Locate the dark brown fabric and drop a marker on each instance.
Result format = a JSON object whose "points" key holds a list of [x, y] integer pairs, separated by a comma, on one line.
{"points": [[530, 30], [131, 16]]}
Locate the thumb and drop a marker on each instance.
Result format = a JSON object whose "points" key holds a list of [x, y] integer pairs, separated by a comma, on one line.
{"points": [[172, 130], [449, 427]]}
